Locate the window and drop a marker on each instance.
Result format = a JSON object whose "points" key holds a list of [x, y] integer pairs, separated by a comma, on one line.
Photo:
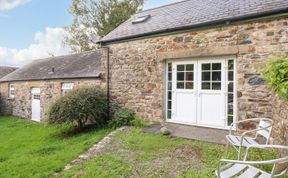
{"points": [[230, 89], [169, 91], [211, 76], [66, 87], [36, 96], [141, 19], [11, 90], [185, 76]]}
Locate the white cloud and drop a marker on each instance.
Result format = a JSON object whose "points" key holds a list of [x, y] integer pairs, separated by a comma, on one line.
{"points": [[10, 4], [46, 44]]}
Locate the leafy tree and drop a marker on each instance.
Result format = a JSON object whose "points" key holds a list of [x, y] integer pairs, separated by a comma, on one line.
{"points": [[276, 74], [94, 19]]}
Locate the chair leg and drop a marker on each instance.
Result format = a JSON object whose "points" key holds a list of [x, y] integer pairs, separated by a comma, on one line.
{"points": [[227, 150], [239, 152]]}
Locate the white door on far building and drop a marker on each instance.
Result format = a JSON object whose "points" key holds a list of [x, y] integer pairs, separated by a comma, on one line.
{"points": [[36, 108]]}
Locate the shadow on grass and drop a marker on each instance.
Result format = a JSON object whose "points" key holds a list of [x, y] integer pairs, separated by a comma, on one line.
{"points": [[68, 131]]}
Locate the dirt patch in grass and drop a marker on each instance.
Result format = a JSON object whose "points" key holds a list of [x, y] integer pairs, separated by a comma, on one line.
{"points": [[132, 153], [174, 162], [165, 163], [79, 174], [187, 152], [142, 159]]}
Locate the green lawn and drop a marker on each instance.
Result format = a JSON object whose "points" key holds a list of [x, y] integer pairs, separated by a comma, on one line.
{"points": [[29, 149], [137, 154]]}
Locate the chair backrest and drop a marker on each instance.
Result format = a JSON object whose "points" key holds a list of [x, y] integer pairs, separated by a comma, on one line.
{"points": [[267, 124]]}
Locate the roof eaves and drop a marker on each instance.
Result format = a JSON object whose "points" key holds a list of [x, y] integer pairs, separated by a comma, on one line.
{"points": [[52, 78]]}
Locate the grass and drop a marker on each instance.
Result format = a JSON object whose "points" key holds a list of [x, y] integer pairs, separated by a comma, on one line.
{"points": [[137, 154], [29, 149]]}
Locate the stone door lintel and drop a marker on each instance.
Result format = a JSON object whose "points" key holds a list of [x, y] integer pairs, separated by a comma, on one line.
{"points": [[203, 52]]}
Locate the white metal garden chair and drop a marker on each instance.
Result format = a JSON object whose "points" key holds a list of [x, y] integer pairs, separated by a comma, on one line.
{"points": [[246, 169], [263, 130]]}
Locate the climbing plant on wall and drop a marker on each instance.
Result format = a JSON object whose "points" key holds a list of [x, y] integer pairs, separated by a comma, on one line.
{"points": [[276, 74]]}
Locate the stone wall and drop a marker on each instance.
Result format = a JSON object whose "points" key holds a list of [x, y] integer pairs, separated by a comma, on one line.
{"points": [[20, 105], [137, 66], [280, 117]]}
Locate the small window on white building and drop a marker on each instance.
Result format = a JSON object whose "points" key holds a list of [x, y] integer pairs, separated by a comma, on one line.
{"points": [[11, 90], [66, 87]]}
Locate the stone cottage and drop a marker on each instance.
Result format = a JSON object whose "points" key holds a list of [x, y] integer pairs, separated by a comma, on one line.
{"points": [[3, 72], [197, 62], [28, 91]]}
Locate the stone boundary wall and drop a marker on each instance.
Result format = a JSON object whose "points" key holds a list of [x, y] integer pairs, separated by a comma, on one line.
{"points": [[20, 105]]}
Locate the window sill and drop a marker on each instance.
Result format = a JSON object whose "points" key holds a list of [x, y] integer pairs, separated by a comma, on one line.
{"points": [[11, 99]]}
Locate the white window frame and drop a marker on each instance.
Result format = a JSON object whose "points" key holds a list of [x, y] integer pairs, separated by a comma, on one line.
{"points": [[235, 101], [11, 90], [66, 87]]}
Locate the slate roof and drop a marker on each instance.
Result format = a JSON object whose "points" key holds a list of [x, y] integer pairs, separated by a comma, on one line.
{"points": [[194, 13], [83, 65], [6, 70]]}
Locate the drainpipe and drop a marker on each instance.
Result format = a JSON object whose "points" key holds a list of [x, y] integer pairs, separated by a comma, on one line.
{"points": [[107, 79]]}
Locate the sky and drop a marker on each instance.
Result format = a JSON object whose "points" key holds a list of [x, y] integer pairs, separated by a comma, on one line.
{"points": [[33, 29]]}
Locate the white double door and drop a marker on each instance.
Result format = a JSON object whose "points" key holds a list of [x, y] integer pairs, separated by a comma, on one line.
{"points": [[36, 104], [198, 92]]}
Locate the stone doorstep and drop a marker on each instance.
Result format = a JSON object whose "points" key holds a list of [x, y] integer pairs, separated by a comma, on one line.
{"points": [[192, 132]]}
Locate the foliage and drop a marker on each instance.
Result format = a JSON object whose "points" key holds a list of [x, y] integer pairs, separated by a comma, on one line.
{"points": [[122, 117], [96, 18], [30, 149], [276, 74], [138, 122], [79, 107]]}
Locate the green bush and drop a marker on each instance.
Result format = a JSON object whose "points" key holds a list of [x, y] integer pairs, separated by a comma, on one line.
{"points": [[122, 117], [276, 74], [79, 107], [138, 122]]}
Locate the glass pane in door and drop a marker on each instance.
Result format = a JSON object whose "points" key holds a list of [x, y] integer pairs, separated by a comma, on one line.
{"points": [[169, 90], [185, 76], [211, 76], [231, 92]]}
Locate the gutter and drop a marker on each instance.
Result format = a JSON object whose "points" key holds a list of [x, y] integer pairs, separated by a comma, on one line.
{"points": [[227, 21], [46, 79], [108, 80]]}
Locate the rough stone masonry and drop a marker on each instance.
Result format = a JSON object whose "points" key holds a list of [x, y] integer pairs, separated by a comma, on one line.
{"points": [[137, 67]]}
